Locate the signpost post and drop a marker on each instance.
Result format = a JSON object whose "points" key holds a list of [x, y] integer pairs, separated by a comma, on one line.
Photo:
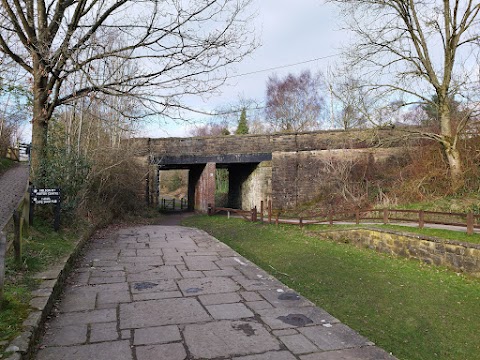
{"points": [[45, 197]]}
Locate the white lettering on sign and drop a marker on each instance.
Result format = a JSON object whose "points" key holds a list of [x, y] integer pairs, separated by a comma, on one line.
{"points": [[46, 200], [46, 192]]}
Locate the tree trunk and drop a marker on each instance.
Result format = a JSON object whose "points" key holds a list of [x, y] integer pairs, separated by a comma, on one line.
{"points": [[454, 163], [39, 126], [449, 142]]}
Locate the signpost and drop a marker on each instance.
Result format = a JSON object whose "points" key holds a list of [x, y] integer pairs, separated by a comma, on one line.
{"points": [[45, 197]]}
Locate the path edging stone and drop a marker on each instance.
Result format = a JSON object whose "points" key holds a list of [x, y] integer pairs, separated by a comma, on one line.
{"points": [[44, 297]]}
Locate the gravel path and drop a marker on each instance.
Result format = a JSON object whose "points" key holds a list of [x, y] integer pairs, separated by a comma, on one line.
{"points": [[13, 184]]}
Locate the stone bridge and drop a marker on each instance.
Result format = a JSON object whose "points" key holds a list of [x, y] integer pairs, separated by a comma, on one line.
{"points": [[284, 168]]}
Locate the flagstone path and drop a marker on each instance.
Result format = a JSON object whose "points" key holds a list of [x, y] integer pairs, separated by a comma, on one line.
{"points": [[175, 293], [13, 184]]}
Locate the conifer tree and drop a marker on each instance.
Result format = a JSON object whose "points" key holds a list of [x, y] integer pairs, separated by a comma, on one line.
{"points": [[242, 123]]}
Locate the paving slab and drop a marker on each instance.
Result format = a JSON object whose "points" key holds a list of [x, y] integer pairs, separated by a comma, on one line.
{"points": [[175, 293], [118, 350], [227, 338]]}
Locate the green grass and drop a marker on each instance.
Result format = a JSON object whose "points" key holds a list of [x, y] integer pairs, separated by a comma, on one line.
{"points": [[42, 249], [412, 310], [6, 164], [440, 233]]}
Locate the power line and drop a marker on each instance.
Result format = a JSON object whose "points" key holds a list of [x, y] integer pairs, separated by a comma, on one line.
{"points": [[282, 66]]}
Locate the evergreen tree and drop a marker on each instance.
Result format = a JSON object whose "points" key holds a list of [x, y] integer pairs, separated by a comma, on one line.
{"points": [[242, 124]]}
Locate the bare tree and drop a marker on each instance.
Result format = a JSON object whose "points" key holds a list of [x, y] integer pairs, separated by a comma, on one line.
{"points": [[294, 103], [181, 48], [419, 49]]}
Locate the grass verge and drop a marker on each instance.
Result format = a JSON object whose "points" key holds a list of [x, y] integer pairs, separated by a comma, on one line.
{"points": [[40, 251], [6, 164], [412, 310]]}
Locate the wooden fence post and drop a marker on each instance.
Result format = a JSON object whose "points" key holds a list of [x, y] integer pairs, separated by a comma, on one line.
{"points": [[421, 219], [276, 218], [255, 213], [470, 223], [3, 248], [357, 217], [385, 216], [300, 222], [17, 236], [330, 217], [261, 211], [269, 211]]}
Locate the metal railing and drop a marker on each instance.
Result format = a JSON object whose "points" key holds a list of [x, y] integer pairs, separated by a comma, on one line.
{"points": [[173, 204]]}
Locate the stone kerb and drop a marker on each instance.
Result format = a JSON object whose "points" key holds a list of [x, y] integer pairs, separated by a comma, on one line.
{"points": [[456, 255]]}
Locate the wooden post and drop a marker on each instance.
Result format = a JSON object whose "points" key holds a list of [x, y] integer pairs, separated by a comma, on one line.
{"points": [[17, 237], [31, 208], [25, 215], [3, 248], [255, 213], [470, 223], [252, 216], [385, 216], [330, 218], [269, 211], [421, 219], [276, 218], [300, 222], [261, 211], [56, 222], [357, 216]]}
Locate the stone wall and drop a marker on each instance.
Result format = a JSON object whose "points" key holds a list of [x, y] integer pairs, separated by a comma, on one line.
{"points": [[257, 187], [251, 143], [459, 256], [297, 176]]}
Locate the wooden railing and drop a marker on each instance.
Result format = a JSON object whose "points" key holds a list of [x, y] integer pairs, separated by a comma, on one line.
{"points": [[12, 234], [469, 220]]}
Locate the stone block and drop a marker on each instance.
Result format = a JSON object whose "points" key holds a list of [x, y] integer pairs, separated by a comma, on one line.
{"points": [[214, 299], [336, 337], [298, 344], [359, 353], [202, 286], [161, 352], [229, 311], [271, 355], [118, 350], [161, 312], [228, 338], [65, 336], [156, 335], [103, 332]]}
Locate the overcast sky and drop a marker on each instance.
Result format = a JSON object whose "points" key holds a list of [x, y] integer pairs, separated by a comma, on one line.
{"points": [[290, 32]]}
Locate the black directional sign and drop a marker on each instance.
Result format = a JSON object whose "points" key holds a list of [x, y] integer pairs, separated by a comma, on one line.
{"points": [[46, 196]]}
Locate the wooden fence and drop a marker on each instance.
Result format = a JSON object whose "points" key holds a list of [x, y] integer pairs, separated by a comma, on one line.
{"points": [[12, 234], [420, 218]]}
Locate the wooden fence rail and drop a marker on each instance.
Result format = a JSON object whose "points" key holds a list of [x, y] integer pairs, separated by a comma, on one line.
{"points": [[12, 235], [469, 220]]}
